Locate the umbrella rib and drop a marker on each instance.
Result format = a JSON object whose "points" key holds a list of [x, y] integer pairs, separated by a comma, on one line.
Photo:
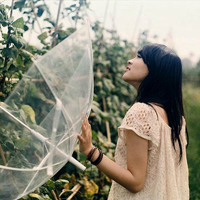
{"points": [[40, 165], [44, 139]]}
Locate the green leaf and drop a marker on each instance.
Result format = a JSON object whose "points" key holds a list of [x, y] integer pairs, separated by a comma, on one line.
{"points": [[68, 8], [73, 5], [21, 161], [9, 143], [26, 54], [13, 105], [26, 28], [43, 36], [1, 16], [96, 109], [19, 4], [63, 34], [19, 42], [22, 115], [19, 23], [50, 21], [40, 12], [29, 112], [50, 184], [36, 196], [4, 24], [12, 68], [108, 85], [105, 115], [5, 36], [22, 143], [20, 61], [73, 17], [10, 52], [1, 60], [62, 181]]}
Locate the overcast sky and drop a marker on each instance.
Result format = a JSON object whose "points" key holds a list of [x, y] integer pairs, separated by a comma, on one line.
{"points": [[178, 21]]}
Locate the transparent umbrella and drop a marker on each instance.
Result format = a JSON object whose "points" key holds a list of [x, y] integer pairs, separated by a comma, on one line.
{"points": [[41, 118]]}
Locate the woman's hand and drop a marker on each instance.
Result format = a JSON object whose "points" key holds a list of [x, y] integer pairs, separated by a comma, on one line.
{"points": [[85, 139]]}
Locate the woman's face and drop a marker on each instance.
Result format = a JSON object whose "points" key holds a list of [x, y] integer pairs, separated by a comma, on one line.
{"points": [[135, 71]]}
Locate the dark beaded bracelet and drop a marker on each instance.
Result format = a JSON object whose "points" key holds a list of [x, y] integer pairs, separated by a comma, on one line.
{"points": [[99, 159], [90, 154]]}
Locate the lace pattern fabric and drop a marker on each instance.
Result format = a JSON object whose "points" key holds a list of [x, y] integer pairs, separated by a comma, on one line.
{"points": [[165, 179]]}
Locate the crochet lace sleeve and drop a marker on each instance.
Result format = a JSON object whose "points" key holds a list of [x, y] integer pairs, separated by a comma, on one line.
{"points": [[139, 120]]}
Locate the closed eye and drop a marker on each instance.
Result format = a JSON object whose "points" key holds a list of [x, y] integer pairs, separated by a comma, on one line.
{"points": [[139, 56]]}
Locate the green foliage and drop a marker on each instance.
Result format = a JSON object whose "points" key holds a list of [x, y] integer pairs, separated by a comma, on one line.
{"points": [[15, 141], [192, 107], [13, 61], [29, 112], [110, 56], [192, 75], [19, 23]]}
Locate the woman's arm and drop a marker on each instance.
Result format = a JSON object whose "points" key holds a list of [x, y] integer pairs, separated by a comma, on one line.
{"points": [[132, 178]]}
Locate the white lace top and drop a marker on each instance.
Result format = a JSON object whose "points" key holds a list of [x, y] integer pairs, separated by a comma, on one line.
{"points": [[165, 179]]}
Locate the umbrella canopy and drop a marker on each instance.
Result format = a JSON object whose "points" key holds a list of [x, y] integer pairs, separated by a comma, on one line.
{"points": [[42, 116]]}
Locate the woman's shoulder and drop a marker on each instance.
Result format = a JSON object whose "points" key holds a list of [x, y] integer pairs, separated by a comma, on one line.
{"points": [[149, 111], [141, 111], [141, 107]]}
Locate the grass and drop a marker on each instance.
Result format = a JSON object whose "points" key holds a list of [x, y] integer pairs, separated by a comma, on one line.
{"points": [[191, 96]]}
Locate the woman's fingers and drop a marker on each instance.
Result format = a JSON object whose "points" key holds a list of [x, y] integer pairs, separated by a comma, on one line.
{"points": [[85, 127], [86, 123], [80, 137], [86, 137]]}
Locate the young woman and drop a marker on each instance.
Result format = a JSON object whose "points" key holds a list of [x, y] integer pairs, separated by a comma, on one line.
{"points": [[150, 158]]}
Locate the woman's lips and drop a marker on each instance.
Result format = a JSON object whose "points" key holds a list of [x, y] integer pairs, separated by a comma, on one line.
{"points": [[127, 69]]}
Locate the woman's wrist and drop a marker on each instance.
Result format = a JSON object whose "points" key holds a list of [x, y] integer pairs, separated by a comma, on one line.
{"points": [[88, 150], [94, 156]]}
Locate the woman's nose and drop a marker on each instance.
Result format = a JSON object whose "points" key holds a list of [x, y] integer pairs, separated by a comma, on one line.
{"points": [[129, 62]]}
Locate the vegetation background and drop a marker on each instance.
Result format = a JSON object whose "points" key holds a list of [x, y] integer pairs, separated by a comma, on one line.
{"points": [[112, 96]]}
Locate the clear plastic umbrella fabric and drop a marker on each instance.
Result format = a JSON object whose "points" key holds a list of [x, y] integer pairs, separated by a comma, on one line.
{"points": [[41, 118]]}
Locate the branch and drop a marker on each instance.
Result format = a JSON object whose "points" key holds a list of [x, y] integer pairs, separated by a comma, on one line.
{"points": [[11, 11], [75, 189], [37, 156], [107, 123], [54, 195], [33, 7], [56, 26], [2, 155]]}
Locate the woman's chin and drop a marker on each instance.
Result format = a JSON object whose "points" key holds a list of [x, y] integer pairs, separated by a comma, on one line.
{"points": [[124, 77], [127, 80]]}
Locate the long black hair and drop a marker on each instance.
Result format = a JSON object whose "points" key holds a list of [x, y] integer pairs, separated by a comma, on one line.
{"points": [[163, 86]]}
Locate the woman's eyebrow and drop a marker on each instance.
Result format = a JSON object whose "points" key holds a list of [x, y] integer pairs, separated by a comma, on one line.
{"points": [[137, 54]]}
